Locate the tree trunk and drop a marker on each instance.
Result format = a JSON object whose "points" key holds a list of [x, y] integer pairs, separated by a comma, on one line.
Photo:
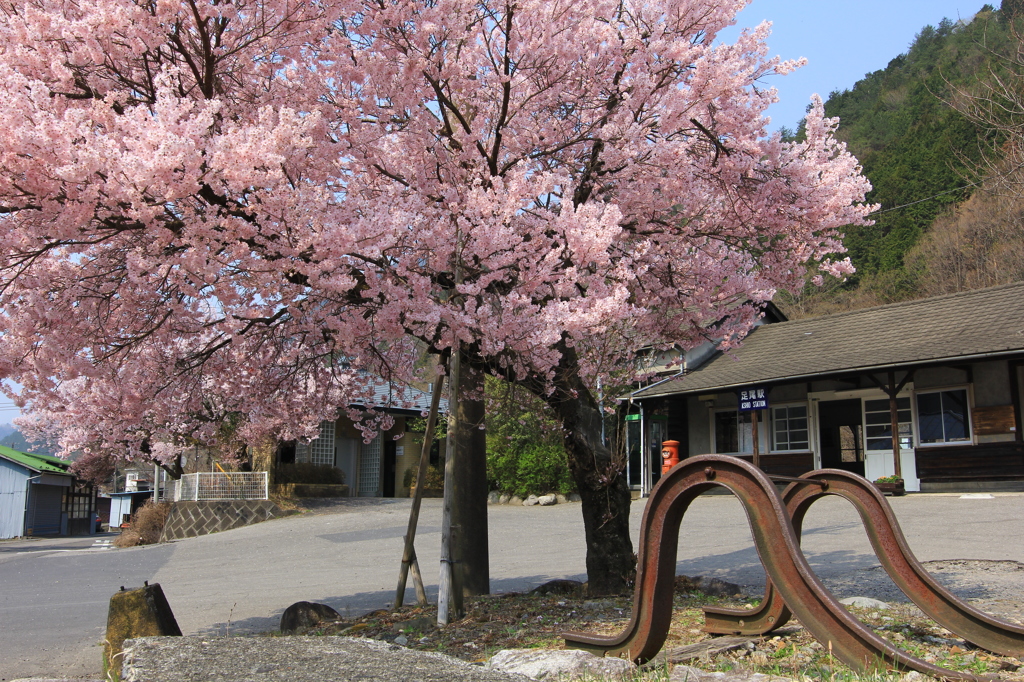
{"points": [[469, 513], [611, 563]]}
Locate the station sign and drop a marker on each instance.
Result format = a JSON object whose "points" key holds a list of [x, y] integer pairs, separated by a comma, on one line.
{"points": [[753, 398]]}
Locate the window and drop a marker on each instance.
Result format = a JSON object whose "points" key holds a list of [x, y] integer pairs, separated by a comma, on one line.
{"points": [[789, 427], [734, 433], [878, 424], [321, 450], [943, 417]]}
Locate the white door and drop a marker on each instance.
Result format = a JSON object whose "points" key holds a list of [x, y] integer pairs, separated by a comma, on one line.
{"points": [[878, 441]]}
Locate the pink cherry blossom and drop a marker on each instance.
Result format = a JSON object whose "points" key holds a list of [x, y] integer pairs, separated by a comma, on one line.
{"points": [[208, 206]]}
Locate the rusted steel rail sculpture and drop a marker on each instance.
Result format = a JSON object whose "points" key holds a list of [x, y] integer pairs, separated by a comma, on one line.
{"points": [[848, 639], [892, 550]]}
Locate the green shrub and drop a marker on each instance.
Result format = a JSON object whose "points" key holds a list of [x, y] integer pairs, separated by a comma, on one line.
{"points": [[533, 469], [435, 477], [525, 454], [305, 472]]}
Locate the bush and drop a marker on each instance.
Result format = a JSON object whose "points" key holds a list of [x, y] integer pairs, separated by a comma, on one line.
{"points": [[146, 525], [305, 472], [534, 469], [435, 477], [525, 454]]}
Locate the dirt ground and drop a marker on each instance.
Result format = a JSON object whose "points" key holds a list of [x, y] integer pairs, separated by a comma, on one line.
{"points": [[539, 620]]}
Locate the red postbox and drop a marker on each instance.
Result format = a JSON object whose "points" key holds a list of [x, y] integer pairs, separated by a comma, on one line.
{"points": [[669, 455]]}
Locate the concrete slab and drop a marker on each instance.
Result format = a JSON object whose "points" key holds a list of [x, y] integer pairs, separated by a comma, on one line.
{"points": [[292, 659]]}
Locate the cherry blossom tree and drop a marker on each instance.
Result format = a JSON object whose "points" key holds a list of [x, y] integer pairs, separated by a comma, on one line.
{"points": [[217, 207]]}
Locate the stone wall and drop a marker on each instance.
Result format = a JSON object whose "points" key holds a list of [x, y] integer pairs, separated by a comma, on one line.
{"points": [[189, 519]]}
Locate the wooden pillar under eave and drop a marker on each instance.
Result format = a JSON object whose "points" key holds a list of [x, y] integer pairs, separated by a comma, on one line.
{"points": [[894, 416]]}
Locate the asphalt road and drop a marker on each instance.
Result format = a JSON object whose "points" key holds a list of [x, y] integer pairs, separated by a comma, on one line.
{"points": [[54, 593]]}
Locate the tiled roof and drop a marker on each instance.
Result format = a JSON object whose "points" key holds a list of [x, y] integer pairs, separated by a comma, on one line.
{"points": [[943, 328], [41, 463]]}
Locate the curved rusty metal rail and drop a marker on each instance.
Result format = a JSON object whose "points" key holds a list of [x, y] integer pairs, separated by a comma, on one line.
{"points": [[977, 627], [849, 639]]}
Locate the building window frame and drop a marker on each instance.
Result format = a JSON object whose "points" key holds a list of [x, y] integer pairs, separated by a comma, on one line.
{"points": [[774, 421], [941, 392], [877, 423]]}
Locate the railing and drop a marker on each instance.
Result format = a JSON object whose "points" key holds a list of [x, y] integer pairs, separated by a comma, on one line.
{"points": [[235, 485]]}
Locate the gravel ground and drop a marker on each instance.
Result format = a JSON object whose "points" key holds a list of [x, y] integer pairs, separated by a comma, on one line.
{"points": [[996, 587]]}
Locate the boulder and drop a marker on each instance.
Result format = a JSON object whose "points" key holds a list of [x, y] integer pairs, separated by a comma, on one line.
{"points": [[504, 498], [547, 500], [303, 615], [864, 603], [493, 497], [530, 501], [562, 665], [574, 497], [140, 612], [515, 499]]}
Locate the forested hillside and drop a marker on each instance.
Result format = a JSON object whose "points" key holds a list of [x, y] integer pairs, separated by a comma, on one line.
{"points": [[925, 159]]}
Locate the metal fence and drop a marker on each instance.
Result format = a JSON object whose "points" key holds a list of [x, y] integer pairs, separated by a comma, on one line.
{"points": [[238, 485]]}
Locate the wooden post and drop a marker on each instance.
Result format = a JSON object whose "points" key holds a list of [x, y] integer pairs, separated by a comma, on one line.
{"points": [[894, 416], [757, 445], [449, 600], [409, 553]]}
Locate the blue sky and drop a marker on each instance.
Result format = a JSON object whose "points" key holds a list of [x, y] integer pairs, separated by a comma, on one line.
{"points": [[842, 41]]}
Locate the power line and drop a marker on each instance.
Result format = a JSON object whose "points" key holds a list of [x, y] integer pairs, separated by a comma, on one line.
{"points": [[921, 201]]}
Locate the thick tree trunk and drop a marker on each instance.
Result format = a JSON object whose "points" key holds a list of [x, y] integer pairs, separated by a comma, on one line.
{"points": [[611, 564], [469, 512], [599, 477]]}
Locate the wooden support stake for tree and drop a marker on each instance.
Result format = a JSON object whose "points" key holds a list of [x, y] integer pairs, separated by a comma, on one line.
{"points": [[449, 601], [409, 553]]}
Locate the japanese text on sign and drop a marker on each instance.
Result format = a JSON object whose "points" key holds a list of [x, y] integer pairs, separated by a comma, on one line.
{"points": [[753, 398]]}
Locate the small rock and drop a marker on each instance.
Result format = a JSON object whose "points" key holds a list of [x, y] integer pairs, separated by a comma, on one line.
{"points": [[955, 650], [559, 664], [865, 603], [912, 676], [562, 499], [713, 587], [531, 501], [572, 588], [685, 673], [304, 614], [421, 624], [573, 497], [504, 498], [515, 500], [493, 497], [401, 640], [596, 604], [547, 500]]}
